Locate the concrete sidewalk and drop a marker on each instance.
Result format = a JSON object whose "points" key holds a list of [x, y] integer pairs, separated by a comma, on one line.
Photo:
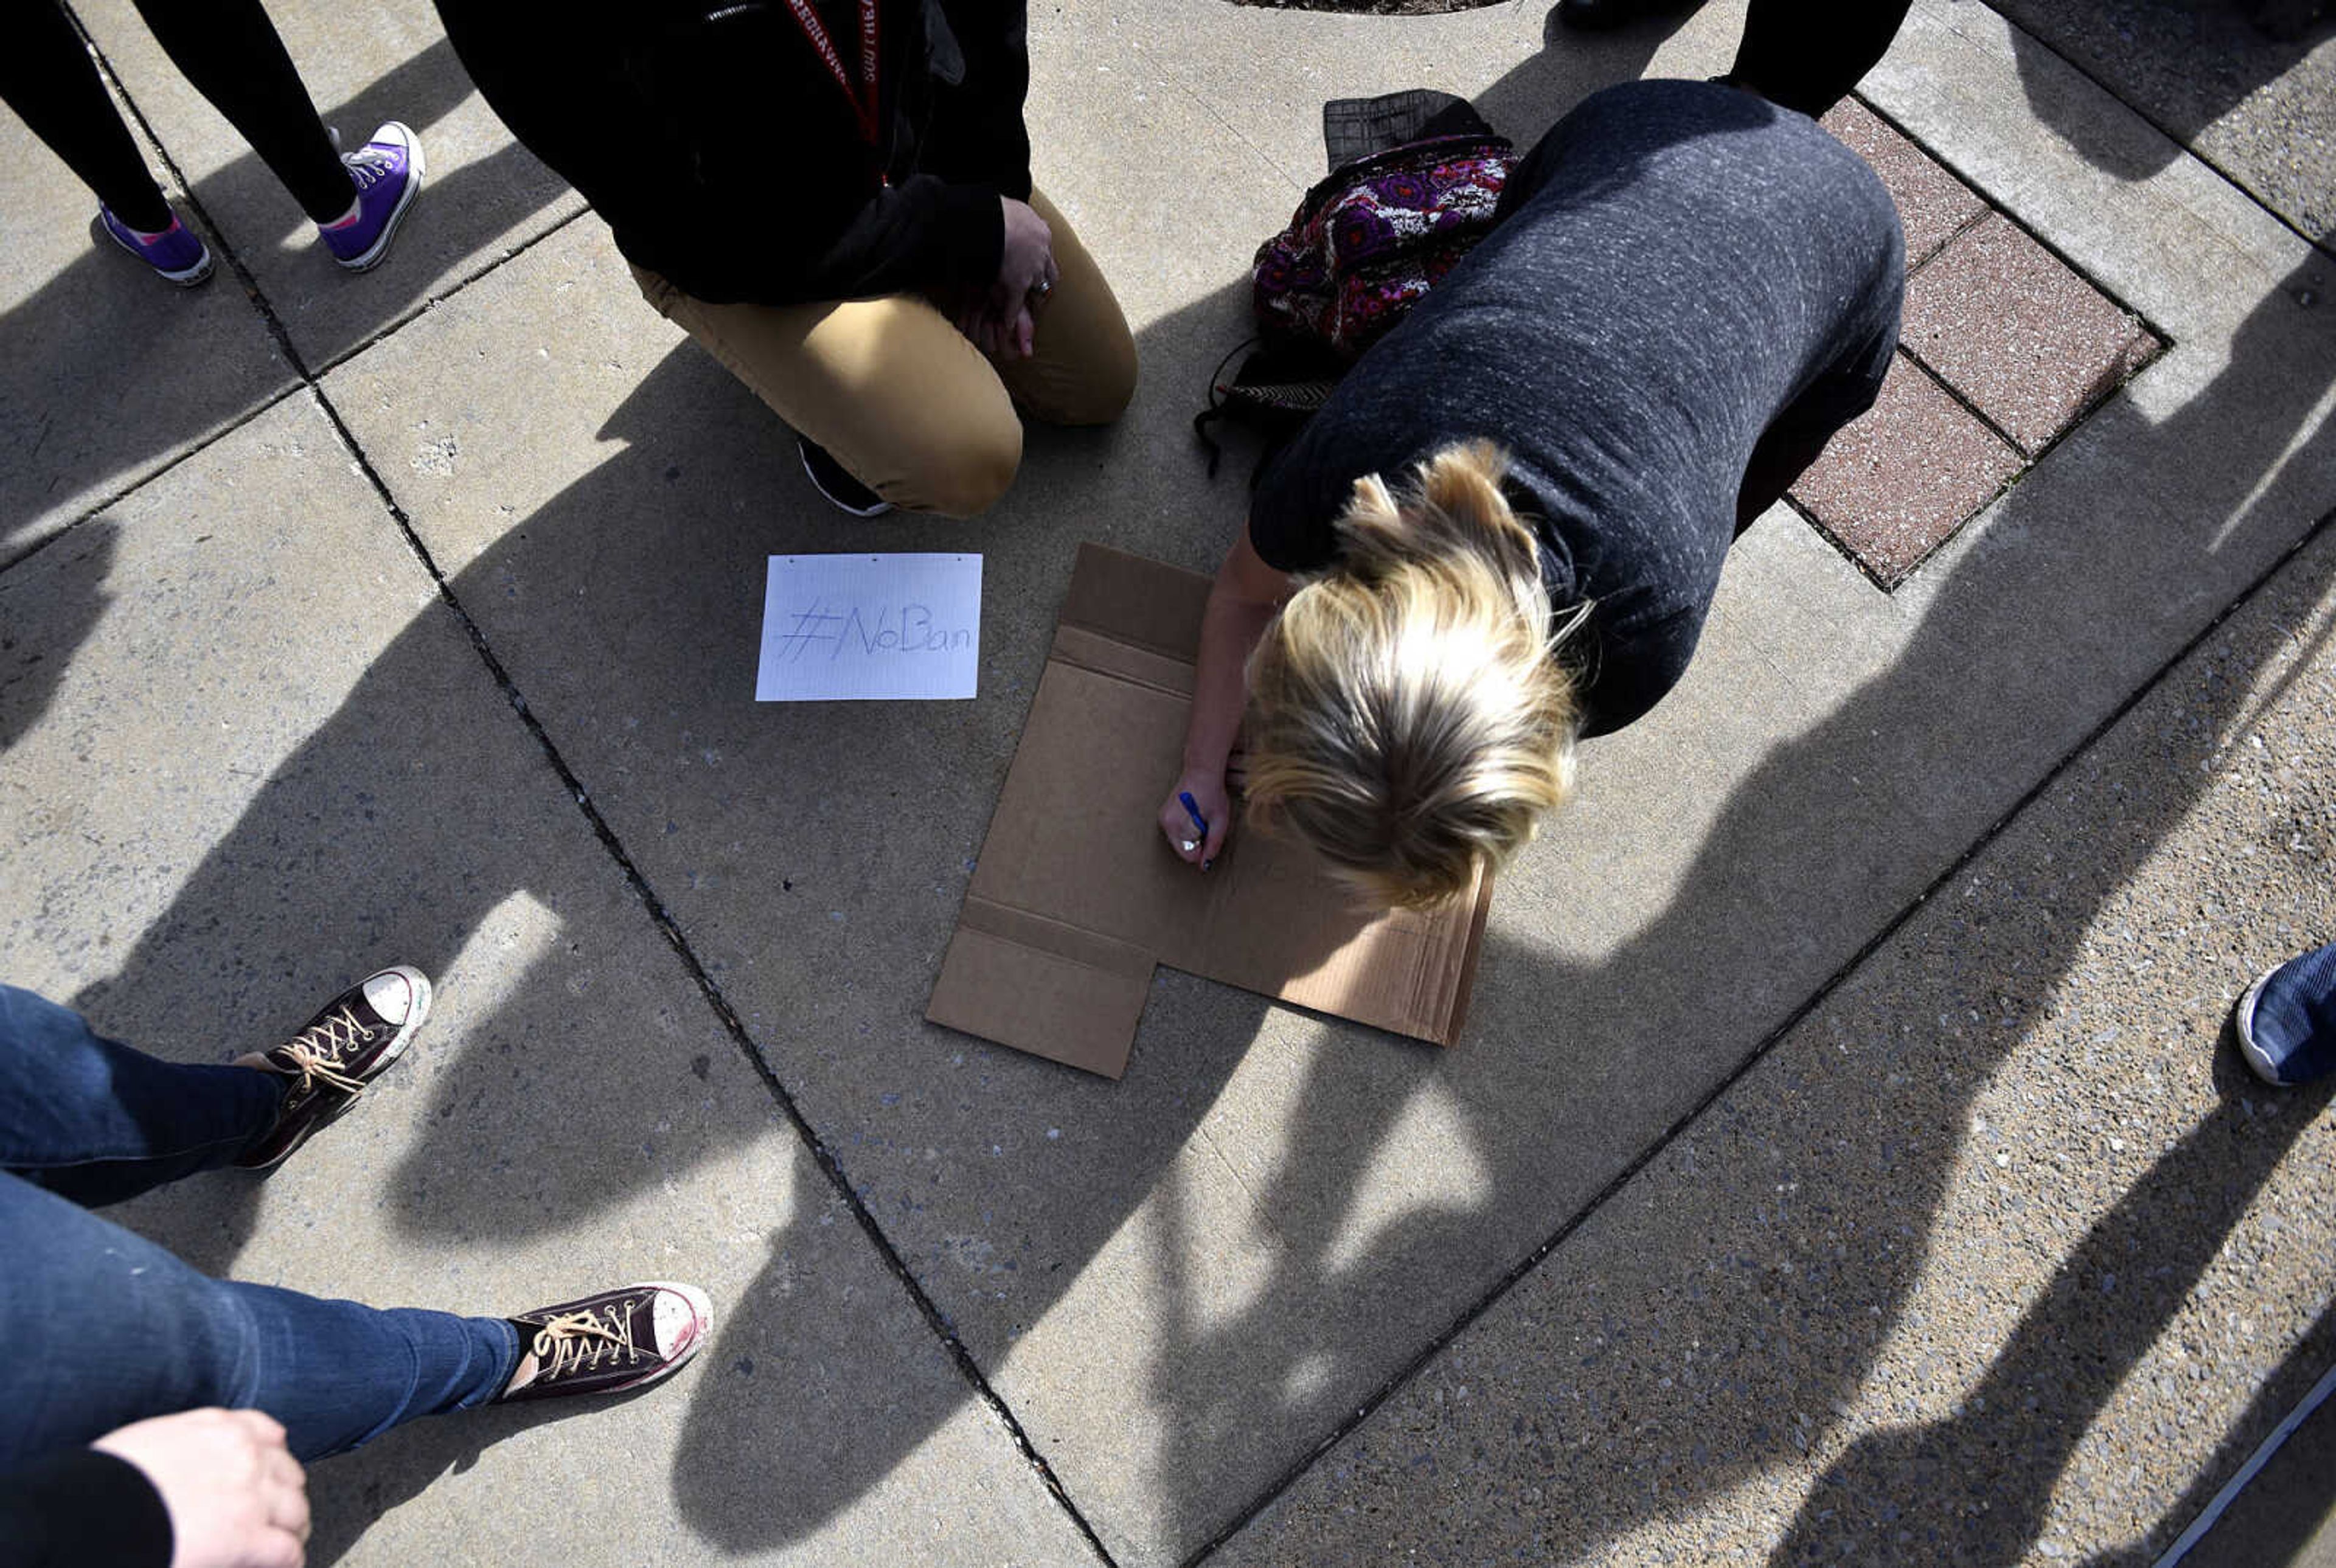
{"points": [[1842, 1163]]}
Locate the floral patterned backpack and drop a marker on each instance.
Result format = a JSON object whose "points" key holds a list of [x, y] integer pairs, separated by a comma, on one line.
{"points": [[1416, 180], [1374, 237]]}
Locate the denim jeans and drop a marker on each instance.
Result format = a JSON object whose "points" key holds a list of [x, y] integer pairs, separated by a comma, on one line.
{"points": [[105, 1328]]}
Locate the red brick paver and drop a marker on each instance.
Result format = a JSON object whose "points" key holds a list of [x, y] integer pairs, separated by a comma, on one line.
{"points": [[1904, 476], [1993, 316], [1932, 204], [2006, 324]]}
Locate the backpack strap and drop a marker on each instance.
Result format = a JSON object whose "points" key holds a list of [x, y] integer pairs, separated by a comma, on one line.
{"points": [[1275, 392]]}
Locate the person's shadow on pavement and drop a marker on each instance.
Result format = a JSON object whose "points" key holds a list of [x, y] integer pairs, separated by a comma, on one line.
{"points": [[103, 370], [1552, 1038]]}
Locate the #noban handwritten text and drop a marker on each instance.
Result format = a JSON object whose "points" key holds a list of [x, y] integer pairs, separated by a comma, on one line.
{"points": [[840, 632]]}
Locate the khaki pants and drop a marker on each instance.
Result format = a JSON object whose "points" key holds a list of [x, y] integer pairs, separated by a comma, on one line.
{"points": [[897, 395]]}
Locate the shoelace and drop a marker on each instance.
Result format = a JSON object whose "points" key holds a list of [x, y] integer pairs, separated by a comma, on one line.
{"points": [[365, 166], [577, 1341], [317, 1052]]}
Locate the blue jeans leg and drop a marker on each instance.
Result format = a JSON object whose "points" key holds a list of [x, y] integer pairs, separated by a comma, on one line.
{"points": [[105, 1328], [99, 1122]]}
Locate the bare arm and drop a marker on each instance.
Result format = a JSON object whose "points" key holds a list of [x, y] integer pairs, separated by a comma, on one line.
{"points": [[1241, 602]]}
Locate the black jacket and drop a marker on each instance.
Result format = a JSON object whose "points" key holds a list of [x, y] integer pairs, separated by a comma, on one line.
{"points": [[82, 1509], [716, 145]]}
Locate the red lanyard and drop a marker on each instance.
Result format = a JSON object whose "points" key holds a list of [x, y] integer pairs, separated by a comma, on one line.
{"points": [[863, 98]]}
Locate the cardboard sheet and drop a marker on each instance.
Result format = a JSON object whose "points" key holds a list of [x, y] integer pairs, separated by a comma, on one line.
{"points": [[1076, 897]]}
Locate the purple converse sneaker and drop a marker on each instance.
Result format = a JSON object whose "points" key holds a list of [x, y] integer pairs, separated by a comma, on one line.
{"points": [[387, 173], [178, 253]]}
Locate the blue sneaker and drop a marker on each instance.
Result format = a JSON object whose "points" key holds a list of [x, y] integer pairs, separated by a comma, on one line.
{"points": [[178, 253], [387, 173], [2287, 1020]]}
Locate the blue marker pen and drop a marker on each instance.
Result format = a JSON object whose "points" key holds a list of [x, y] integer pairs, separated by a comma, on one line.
{"points": [[1200, 824]]}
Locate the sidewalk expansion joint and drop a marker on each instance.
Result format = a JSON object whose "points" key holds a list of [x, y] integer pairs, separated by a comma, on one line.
{"points": [[303, 374], [100, 507], [1467, 1317], [668, 927], [303, 379], [432, 301]]}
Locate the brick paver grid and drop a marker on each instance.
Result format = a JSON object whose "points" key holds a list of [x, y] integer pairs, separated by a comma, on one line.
{"points": [[2004, 349]]}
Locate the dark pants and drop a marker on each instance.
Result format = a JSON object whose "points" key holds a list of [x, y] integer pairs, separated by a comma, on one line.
{"points": [[227, 48], [1806, 54], [105, 1328]]}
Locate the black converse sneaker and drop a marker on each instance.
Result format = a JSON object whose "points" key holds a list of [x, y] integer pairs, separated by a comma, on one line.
{"points": [[605, 1344], [344, 1047], [835, 481]]}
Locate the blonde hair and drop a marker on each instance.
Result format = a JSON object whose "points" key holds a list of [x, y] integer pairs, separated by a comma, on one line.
{"points": [[1405, 715]]}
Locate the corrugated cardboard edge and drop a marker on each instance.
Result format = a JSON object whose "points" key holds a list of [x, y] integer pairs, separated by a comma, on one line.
{"points": [[1136, 601], [1004, 969], [1434, 1015], [1466, 986]]}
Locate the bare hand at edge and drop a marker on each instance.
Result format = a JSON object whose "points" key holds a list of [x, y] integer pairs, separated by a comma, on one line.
{"points": [[236, 1497]]}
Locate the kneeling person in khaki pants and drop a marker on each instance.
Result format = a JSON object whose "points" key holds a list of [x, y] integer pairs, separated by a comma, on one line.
{"points": [[834, 197]]}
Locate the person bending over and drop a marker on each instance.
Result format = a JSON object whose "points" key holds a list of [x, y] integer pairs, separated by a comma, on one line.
{"points": [[1504, 529], [834, 197]]}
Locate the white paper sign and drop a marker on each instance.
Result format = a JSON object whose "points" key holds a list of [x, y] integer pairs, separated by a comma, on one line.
{"points": [[845, 628]]}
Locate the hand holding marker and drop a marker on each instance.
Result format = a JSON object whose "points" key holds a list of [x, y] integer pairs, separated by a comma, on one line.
{"points": [[1200, 824]]}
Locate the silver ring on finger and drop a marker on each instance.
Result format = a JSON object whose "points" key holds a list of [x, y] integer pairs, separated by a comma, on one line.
{"points": [[1189, 845]]}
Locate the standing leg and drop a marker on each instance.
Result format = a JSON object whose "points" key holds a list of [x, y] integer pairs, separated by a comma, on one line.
{"points": [[106, 1329], [98, 1121], [1806, 54], [47, 77], [229, 50]]}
